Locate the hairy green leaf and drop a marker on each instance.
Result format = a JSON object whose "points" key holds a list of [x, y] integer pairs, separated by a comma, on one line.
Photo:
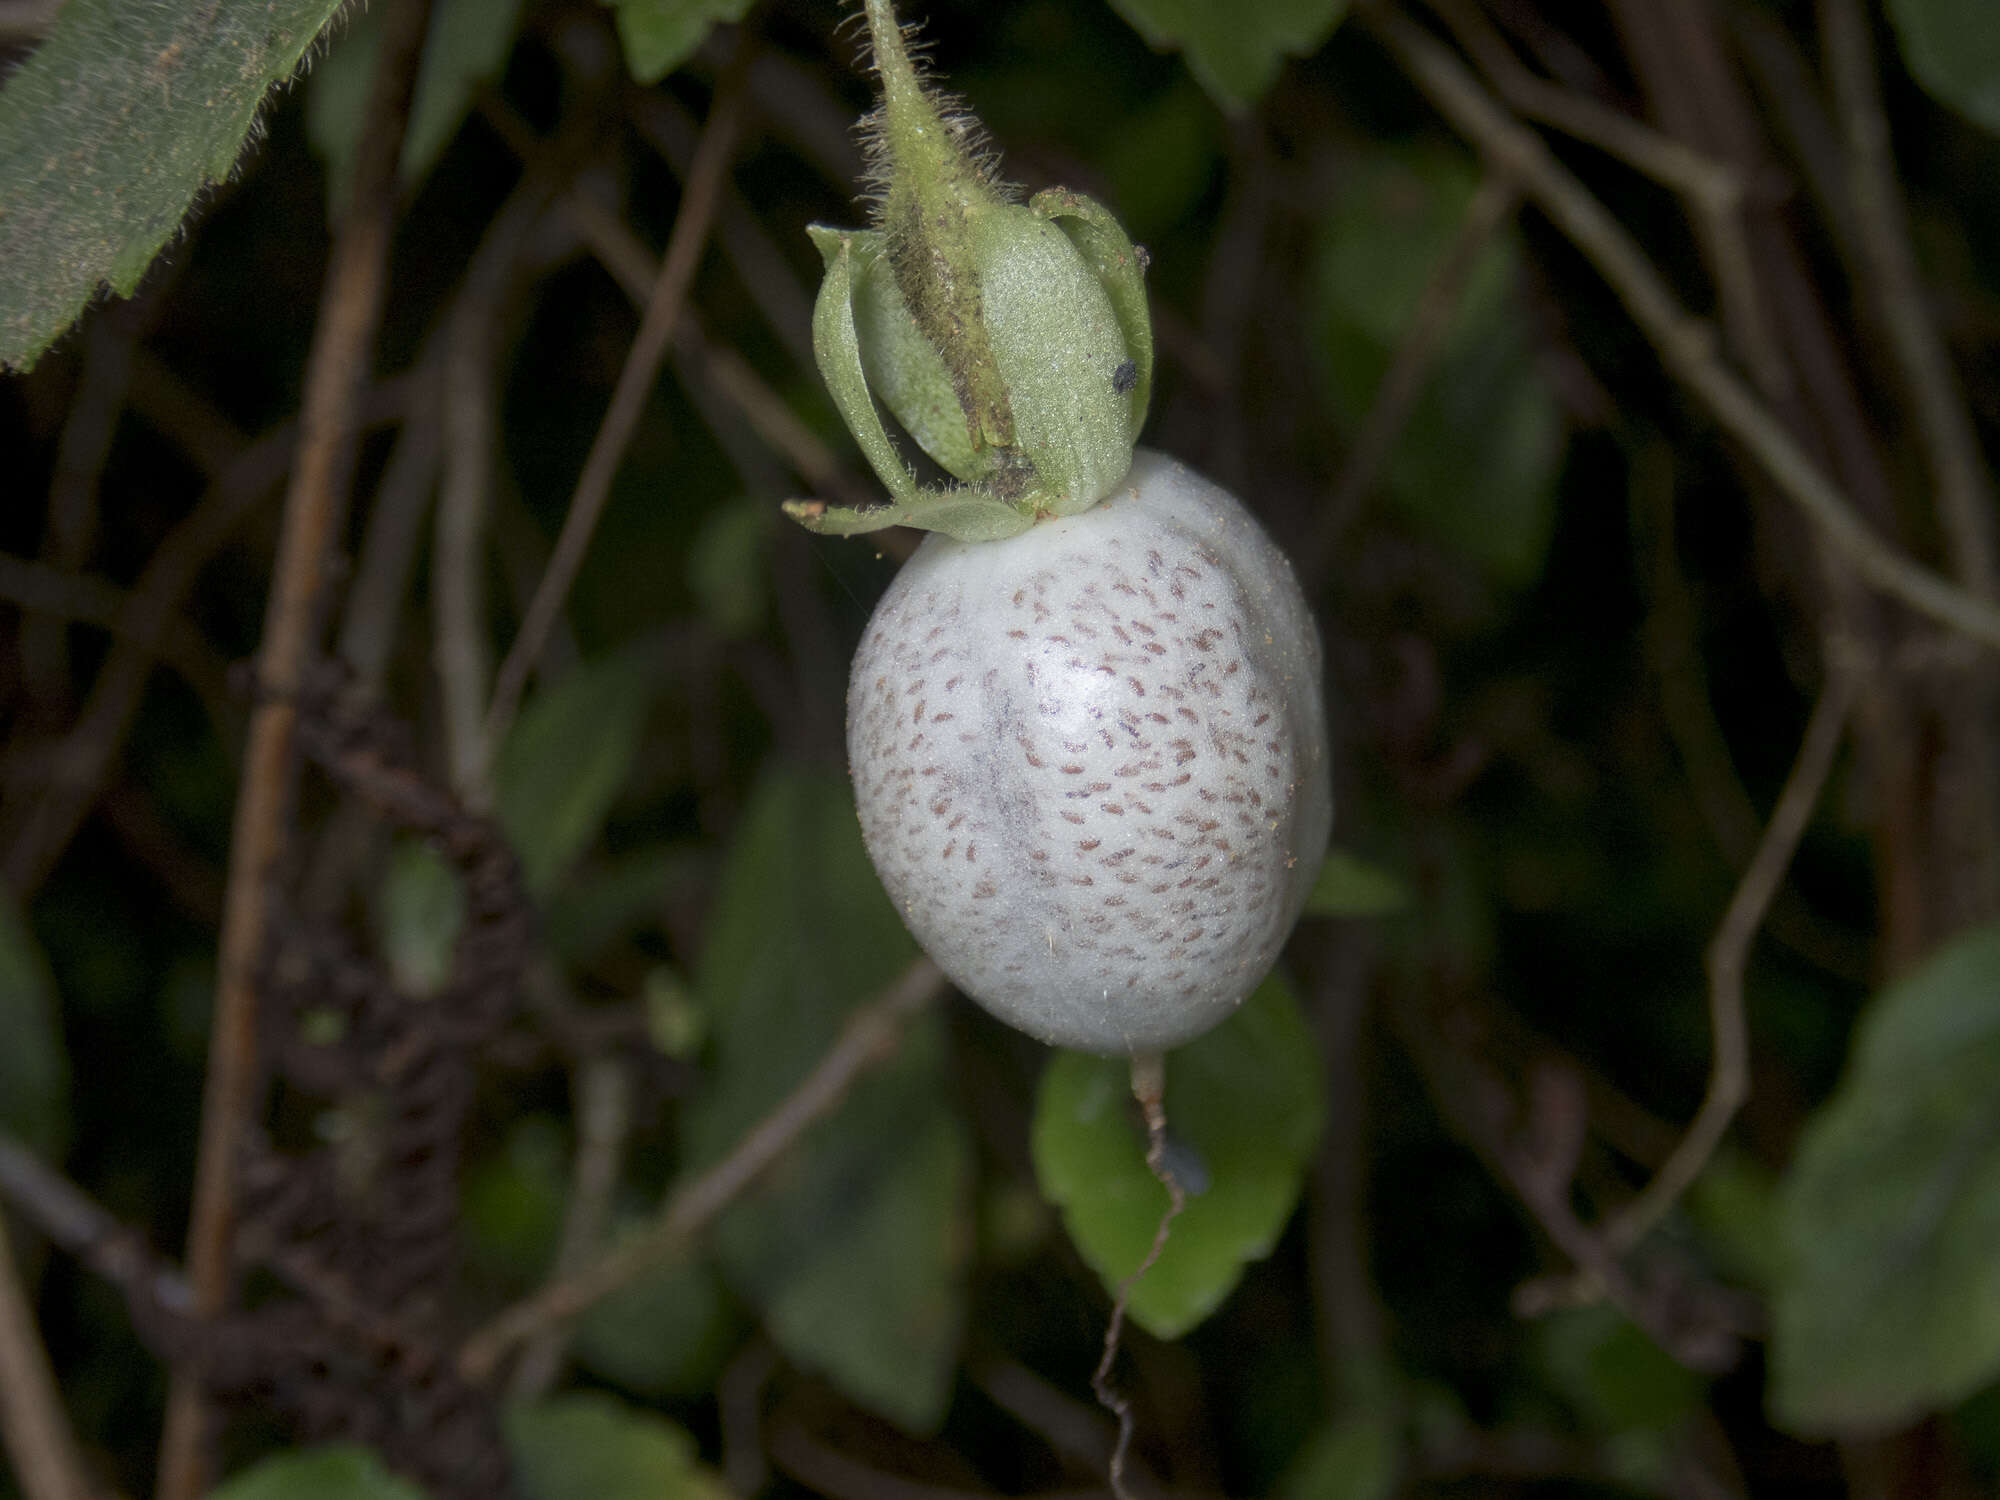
{"points": [[336, 1473], [1889, 1304], [854, 1248], [1235, 50], [1246, 1100], [110, 130], [1953, 48]]}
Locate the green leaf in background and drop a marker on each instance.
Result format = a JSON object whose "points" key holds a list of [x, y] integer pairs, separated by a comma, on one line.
{"points": [[854, 1248], [110, 129], [1976, 1425], [659, 35], [511, 1203], [1889, 1306], [465, 46], [1622, 1386], [727, 568], [1349, 886], [34, 1068], [1235, 50], [1477, 461], [1248, 1099], [595, 1447], [667, 1334], [345, 1472], [419, 911], [1164, 160], [617, 897], [1358, 1456], [567, 759], [1953, 48], [1733, 1209]]}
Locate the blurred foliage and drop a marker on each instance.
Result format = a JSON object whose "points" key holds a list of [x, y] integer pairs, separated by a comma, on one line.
{"points": [[592, 1447], [1953, 48], [1235, 53], [465, 48], [854, 1250], [1573, 639], [336, 1473], [658, 35], [568, 758], [1889, 1304], [34, 1066]]}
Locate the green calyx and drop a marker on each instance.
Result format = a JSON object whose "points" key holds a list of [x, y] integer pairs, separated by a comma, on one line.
{"points": [[1010, 341]]}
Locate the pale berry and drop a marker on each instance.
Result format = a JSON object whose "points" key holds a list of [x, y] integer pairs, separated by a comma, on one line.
{"points": [[1090, 761]]}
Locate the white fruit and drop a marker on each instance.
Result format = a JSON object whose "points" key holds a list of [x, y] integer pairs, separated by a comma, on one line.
{"points": [[1090, 761]]}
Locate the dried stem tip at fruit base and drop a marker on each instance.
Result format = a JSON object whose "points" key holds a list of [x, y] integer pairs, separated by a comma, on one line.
{"points": [[1010, 341]]}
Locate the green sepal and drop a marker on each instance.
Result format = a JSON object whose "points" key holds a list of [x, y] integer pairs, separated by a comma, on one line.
{"points": [[908, 375], [837, 350], [1120, 266], [1056, 342], [969, 514], [965, 515]]}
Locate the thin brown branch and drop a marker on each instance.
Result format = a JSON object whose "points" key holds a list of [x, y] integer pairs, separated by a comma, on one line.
{"points": [[603, 1114], [1964, 484], [39, 1440], [1728, 956], [1149, 1087], [343, 344], [205, 434], [70, 1219], [775, 288], [1534, 1151], [72, 519], [1713, 189], [471, 448], [1539, 1161], [739, 1409], [628, 399], [1396, 397], [763, 409], [1685, 345], [78, 764], [870, 1037], [39, 589], [372, 610], [1672, 645]]}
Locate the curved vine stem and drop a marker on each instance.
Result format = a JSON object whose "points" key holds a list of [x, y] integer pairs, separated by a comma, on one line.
{"points": [[1685, 345], [700, 198], [1149, 1087], [350, 314], [1729, 955], [870, 1037]]}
